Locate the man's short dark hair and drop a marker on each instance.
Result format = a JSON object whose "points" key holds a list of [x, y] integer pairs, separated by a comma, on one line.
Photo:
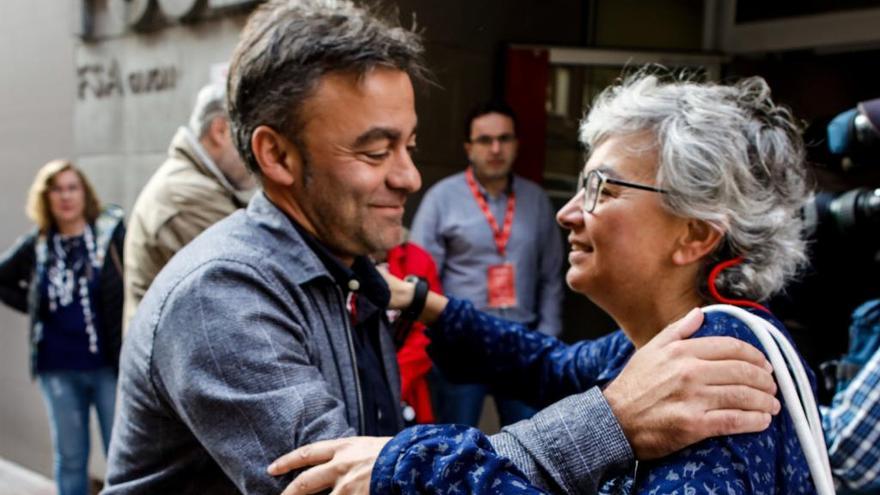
{"points": [[495, 105], [288, 45]]}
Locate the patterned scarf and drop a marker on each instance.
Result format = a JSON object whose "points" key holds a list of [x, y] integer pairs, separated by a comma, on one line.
{"points": [[70, 273]]}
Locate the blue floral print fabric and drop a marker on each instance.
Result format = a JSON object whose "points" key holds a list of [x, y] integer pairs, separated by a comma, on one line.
{"points": [[469, 345]]}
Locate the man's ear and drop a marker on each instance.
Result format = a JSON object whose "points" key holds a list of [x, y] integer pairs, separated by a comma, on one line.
{"points": [[280, 160], [698, 240], [216, 135], [220, 129]]}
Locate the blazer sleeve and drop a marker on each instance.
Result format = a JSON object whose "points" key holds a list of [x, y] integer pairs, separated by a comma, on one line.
{"points": [[566, 448], [569, 446], [239, 372]]}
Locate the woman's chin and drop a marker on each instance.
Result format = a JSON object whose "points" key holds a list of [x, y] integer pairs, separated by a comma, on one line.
{"points": [[68, 216], [578, 281]]}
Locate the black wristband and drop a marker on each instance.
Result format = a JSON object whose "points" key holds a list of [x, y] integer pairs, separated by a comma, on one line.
{"points": [[420, 295]]}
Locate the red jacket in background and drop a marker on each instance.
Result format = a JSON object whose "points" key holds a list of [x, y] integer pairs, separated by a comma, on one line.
{"points": [[411, 259]]}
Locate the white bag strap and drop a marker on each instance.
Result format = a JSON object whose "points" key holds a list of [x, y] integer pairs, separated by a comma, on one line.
{"points": [[800, 403]]}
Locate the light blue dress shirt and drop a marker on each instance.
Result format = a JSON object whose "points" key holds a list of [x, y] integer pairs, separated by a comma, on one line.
{"points": [[450, 225]]}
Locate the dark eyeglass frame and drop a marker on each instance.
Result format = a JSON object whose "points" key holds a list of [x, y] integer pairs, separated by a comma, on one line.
{"points": [[590, 200], [485, 140]]}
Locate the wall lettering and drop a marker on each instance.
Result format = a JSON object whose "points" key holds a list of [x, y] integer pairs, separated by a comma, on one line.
{"points": [[151, 15], [103, 80], [99, 80], [152, 80]]}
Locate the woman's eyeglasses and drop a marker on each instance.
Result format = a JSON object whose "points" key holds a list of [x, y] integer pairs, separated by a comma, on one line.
{"points": [[594, 181]]}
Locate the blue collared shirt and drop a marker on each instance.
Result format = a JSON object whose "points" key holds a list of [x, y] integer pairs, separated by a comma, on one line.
{"points": [[852, 430], [450, 225]]}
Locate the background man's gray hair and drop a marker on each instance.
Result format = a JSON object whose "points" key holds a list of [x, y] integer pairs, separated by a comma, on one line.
{"points": [[288, 45], [210, 103], [728, 155]]}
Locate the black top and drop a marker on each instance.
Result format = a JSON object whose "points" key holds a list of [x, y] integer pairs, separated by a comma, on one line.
{"points": [[65, 344], [364, 286], [20, 287]]}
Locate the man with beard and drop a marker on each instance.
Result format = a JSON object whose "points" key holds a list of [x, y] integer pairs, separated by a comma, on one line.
{"points": [[268, 331]]}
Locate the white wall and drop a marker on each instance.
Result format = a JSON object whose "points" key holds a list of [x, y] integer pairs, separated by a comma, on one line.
{"points": [[36, 115], [121, 136]]}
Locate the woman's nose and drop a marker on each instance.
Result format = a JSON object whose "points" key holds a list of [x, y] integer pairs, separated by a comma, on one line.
{"points": [[572, 214]]}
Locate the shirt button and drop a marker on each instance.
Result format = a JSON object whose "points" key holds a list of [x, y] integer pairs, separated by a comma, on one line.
{"points": [[379, 414], [353, 285], [409, 413]]}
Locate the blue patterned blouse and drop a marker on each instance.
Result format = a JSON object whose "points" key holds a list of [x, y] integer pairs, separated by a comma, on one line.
{"points": [[469, 345]]}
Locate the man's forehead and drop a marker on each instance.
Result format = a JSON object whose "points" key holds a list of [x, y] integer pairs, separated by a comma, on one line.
{"points": [[361, 109], [362, 81], [491, 121], [344, 86]]}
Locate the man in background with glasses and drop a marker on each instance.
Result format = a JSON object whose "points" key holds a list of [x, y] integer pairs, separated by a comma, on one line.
{"points": [[495, 242]]}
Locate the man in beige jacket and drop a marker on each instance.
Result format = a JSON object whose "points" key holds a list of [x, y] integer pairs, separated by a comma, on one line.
{"points": [[202, 181]]}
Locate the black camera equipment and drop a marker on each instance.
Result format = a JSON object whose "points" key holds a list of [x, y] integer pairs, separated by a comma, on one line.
{"points": [[854, 136], [852, 216], [843, 229]]}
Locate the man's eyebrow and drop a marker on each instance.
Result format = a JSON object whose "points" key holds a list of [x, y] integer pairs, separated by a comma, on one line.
{"points": [[376, 134]]}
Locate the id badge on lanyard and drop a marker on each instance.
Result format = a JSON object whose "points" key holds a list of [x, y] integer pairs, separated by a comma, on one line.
{"points": [[501, 284], [500, 279]]}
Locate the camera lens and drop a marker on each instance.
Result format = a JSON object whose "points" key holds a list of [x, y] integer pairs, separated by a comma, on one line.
{"points": [[856, 210]]}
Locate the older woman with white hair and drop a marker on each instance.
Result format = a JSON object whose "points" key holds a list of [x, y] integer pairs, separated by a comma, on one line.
{"points": [[690, 196]]}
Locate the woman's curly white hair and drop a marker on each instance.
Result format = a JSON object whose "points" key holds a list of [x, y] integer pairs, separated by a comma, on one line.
{"points": [[727, 155]]}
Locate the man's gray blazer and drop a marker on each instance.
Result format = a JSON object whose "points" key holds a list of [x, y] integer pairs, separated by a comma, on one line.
{"points": [[240, 352]]}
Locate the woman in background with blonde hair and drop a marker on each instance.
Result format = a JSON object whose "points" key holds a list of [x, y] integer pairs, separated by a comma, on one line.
{"points": [[67, 275]]}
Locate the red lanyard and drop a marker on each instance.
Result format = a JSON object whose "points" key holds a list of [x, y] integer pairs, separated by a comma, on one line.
{"points": [[501, 235]]}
